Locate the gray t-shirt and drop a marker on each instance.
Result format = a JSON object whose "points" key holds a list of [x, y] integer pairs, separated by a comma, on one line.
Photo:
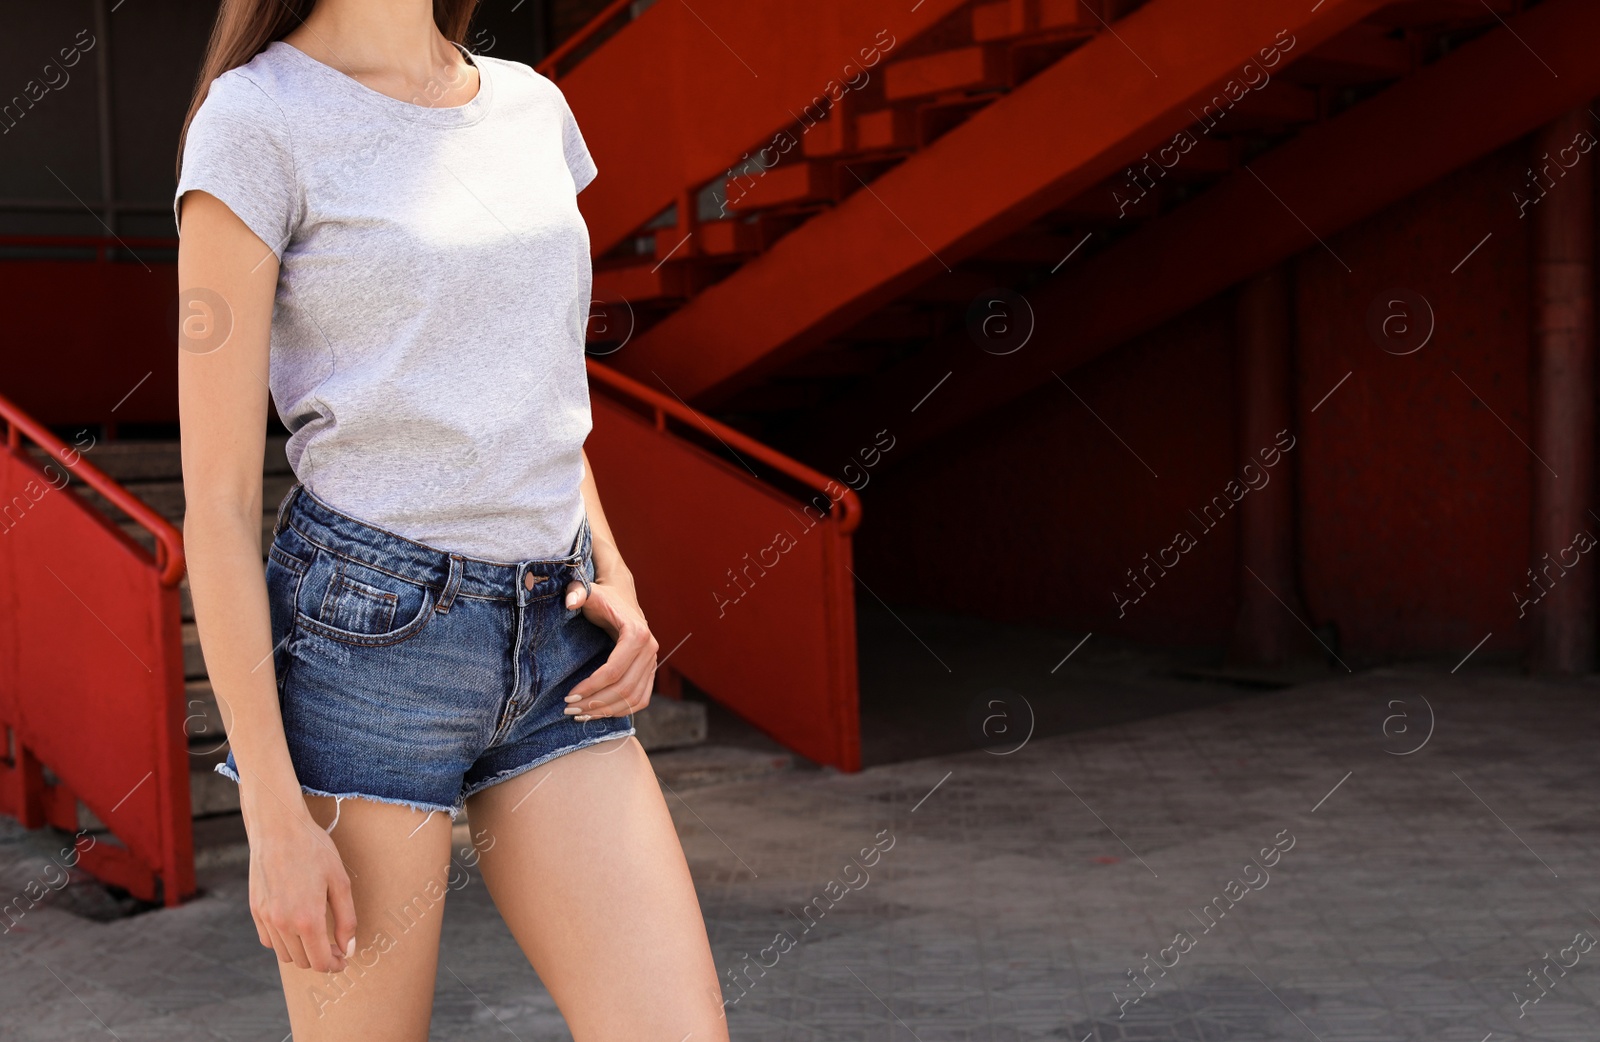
{"points": [[434, 286]]}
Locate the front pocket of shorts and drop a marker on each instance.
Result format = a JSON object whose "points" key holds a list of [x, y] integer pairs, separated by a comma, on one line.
{"points": [[357, 607], [356, 603]]}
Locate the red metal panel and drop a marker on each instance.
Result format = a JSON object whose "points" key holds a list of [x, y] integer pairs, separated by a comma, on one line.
{"points": [[984, 180], [92, 652], [68, 374], [748, 590]]}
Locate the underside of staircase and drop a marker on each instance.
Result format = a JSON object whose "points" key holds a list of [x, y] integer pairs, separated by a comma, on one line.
{"points": [[1015, 187]]}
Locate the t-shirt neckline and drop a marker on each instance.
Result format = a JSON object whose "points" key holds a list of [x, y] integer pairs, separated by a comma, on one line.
{"points": [[441, 116]]}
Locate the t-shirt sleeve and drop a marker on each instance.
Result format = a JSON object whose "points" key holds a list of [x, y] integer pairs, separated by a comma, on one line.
{"points": [[238, 150], [579, 161]]}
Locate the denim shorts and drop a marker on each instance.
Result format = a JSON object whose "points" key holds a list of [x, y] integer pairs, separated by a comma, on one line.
{"points": [[411, 675]]}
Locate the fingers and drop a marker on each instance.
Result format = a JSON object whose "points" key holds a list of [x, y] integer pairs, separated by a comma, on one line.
{"points": [[343, 907], [633, 643], [303, 937], [577, 594], [262, 934], [321, 955], [301, 902], [615, 665], [286, 942], [612, 670], [622, 683], [627, 693]]}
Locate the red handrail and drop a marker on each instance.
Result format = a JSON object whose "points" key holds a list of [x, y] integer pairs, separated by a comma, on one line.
{"points": [[169, 541], [548, 66], [848, 506]]}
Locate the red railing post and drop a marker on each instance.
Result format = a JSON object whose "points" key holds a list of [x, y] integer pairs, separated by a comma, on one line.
{"points": [[775, 639], [94, 695]]}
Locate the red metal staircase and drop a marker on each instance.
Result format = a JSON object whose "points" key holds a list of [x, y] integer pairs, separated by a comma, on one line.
{"points": [[990, 118], [1023, 145]]}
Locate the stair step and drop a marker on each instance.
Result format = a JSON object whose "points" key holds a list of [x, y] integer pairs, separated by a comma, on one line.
{"points": [[729, 238], [194, 663], [667, 723], [1011, 19], [202, 721], [850, 132], [126, 461], [963, 69], [209, 792], [137, 533], [1067, 14], [886, 130], [794, 184], [831, 136], [639, 283], [165, 497], [1001, 21], [718, 764]]}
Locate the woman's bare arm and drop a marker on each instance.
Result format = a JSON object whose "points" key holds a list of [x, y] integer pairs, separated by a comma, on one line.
{"points": [[608, 564], [623, 684], [229, 279]]}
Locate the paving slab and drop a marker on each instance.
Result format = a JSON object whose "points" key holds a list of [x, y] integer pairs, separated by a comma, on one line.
{"points": [[1385, 857]]}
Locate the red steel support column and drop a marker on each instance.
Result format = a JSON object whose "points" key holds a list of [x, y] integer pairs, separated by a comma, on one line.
{"points": [[1563, 622], [1267, 629]]}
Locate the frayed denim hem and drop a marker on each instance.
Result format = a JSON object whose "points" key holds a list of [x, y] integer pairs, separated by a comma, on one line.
{"points": [[524, 768], [340, 797]]}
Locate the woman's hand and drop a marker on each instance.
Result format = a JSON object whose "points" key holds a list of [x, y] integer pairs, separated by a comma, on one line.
{"points": [[622, 685], [296, 879]]}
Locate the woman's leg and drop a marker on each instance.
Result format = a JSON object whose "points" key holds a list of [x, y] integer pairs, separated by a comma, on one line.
{"points": [[581, 858], [399, 865]]}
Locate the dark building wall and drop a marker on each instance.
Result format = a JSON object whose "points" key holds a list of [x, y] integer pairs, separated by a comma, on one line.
{"points": [[51, 156], [1414, 498], [1037, 512]]}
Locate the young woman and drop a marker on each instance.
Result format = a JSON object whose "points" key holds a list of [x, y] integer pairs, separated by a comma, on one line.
{"points": [[382, 228]]}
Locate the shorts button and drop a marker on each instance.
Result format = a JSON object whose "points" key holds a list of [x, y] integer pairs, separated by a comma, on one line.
{"points": [[528, 580]]}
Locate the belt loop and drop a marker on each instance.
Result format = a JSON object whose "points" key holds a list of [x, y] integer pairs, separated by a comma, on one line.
{"points": [[451, 585], [283, 508], [585, 555]]}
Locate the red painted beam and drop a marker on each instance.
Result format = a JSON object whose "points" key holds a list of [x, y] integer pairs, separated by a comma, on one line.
{"points": [[1120, 94], [1469, 103]]}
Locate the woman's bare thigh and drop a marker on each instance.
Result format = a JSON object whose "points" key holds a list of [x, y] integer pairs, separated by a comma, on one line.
{"points": [[400, 872], [582, 860]]}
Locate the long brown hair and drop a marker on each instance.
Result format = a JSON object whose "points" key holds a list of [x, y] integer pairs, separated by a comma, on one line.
{"points": [[244, 27]]}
